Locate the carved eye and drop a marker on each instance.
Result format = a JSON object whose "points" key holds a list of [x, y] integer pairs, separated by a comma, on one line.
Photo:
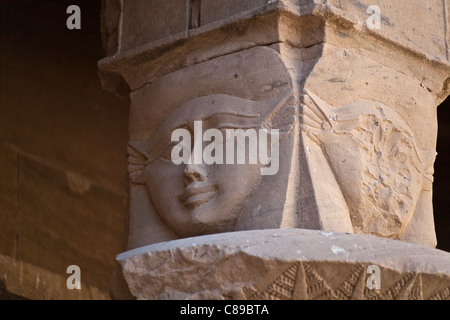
{"points": [[167, 152], [167, 147]]}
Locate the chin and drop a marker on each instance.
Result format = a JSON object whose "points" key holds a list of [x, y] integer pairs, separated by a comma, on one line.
{"points": [[214, 221], [203, 220]]}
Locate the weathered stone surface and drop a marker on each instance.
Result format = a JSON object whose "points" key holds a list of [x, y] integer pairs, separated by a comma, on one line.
{"points": [[8, 225], [153, 17], [23, 280], [418, 24], [8, 174], [67, 226], [216, 10], [283, 264], [360, 154], [354, 102], [62, 150], [8, 200], [355, 110], [111, 25]]}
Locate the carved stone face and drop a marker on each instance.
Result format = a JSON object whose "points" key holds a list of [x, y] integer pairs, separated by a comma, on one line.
{"points": [[194, 199], [352, 167]]}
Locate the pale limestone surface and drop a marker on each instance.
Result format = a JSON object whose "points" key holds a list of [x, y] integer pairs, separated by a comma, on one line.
{"points": [[417, 24], [283, 264], [358, 105], [356, 110]]}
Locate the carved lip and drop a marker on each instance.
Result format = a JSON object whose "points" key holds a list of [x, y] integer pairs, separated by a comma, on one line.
{"points": [[196, 196]]}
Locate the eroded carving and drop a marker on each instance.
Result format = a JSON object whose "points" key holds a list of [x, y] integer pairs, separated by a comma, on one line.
{"points": [[378, 165], [353, 108], [301, 282], [353, 168], [190, 198], [371, 154]]}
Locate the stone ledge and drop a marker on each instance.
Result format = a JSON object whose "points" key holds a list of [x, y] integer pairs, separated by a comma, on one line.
{"points": [[261, 26], [282, 264], [343, 15]]}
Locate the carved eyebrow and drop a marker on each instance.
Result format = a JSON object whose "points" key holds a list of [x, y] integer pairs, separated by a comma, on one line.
{"points": [[236, 126], [238, 115], [233, 119], [161, 141]]}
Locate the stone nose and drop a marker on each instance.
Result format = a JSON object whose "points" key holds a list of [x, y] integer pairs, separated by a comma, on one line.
{"points": [[194, 173]]}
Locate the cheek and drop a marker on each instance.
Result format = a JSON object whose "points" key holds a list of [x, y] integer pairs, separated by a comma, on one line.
{"points": [[164, 180], [238, 178]]}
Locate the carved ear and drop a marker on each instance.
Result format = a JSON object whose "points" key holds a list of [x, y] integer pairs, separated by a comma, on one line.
{"points": [[137, 161], [283, 116], [315, 114]]}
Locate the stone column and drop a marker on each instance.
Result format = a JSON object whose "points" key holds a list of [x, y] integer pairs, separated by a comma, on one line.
{"points": [[346, 93]]}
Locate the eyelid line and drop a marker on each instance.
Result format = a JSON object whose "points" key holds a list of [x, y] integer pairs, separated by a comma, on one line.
{"points": [[235, 126]]}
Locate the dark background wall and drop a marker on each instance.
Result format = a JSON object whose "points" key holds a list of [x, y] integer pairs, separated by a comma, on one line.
{"points": [[441, 187], [63, 145]]}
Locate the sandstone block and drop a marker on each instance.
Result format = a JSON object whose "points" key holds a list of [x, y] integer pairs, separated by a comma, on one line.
{"points": [[283, 264]]}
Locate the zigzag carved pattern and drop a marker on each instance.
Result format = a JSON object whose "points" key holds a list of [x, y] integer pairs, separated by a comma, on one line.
{"points": [[301, 277]]}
